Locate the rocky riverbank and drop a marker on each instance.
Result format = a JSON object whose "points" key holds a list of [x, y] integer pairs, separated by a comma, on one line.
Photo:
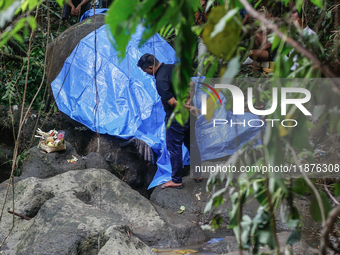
{"points": [[100, 204]]}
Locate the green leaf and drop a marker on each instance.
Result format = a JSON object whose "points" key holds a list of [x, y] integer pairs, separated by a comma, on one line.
{"points": [[276, 42], [216, 222], [299, 4], [336, 187], [293, 237], [218, 201], [182, 208], [32, 22], [219, 27], [179, 118], [121, 24], [314, 208], [7, 11], [18, 38], [318, 3], [318, 111], [301, 187], [233, 68], [60, 2], [293, 223], [32, 4], [301, 131]]}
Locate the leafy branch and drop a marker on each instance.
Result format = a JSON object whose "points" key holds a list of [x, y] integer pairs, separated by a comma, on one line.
{"points": [[316, 62]]}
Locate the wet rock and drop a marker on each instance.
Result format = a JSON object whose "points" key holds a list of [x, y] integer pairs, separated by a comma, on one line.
{"points": [[173, 199], [194, 198], [71, 211], [95, 160], [229, 246], [44, 165], [126, 161], [124, 244]]}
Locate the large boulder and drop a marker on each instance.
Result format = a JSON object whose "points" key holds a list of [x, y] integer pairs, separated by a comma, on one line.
{"points": [[194, 198], [75, 133], [43, 165], [70, 211], [130, 160], [60, 48]]}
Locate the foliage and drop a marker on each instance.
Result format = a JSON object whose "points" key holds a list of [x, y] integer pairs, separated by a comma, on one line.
{"points": [[14, 44], [13, 82], [279, 143]]}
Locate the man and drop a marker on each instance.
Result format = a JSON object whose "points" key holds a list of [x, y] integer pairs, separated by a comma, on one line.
{"points": [[299, 21], [176, 134], [262, 51]]}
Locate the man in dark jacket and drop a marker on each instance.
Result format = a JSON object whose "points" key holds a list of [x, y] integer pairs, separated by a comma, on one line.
{"points": [[176, 134]]}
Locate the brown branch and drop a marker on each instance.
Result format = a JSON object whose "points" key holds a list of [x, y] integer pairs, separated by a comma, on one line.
{"points": [[16, 146], [18, 214], [11, 57], [311, 185], [330, 195], [316, 62], [328, 227]]}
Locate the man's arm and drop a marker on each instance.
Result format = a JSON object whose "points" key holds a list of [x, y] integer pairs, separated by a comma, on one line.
{"points": [[78, 8], [192, 109], [69, 3]]}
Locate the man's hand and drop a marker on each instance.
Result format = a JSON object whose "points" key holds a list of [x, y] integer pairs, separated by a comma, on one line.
{"points": [[194, 110], [72, 10], [77, 10]]}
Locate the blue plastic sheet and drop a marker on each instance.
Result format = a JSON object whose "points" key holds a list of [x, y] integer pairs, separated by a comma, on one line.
{"points": [[222, 140], [129, 105], [213, 240], [91, 12]]}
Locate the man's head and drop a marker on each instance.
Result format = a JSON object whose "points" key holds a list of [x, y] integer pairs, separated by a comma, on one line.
{"points": [[148, 63], [298, 18]]}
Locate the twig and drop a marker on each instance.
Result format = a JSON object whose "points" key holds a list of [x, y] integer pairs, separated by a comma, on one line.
{"points": [[12, 57], [272, 216], [310, 184], [317, 63], [18, 214], [328, 227], [16, 146], [330, 195]]}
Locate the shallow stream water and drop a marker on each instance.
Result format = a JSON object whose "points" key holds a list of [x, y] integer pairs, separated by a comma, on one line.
{"points": [[180, 250]]}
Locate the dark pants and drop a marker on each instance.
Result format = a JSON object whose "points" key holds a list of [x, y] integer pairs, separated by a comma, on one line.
{"points": [[67, 8], [176, 135]]}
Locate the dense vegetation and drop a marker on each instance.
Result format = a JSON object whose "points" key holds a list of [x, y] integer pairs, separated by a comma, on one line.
{"points": [[27, 28]]}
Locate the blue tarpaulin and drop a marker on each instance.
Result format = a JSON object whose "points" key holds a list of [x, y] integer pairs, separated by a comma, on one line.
{"points": [[128, 103], [224, 139], [91, 12]]}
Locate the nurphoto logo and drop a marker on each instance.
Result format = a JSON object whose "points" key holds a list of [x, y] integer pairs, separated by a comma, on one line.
{"points": [[238, 104]]}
